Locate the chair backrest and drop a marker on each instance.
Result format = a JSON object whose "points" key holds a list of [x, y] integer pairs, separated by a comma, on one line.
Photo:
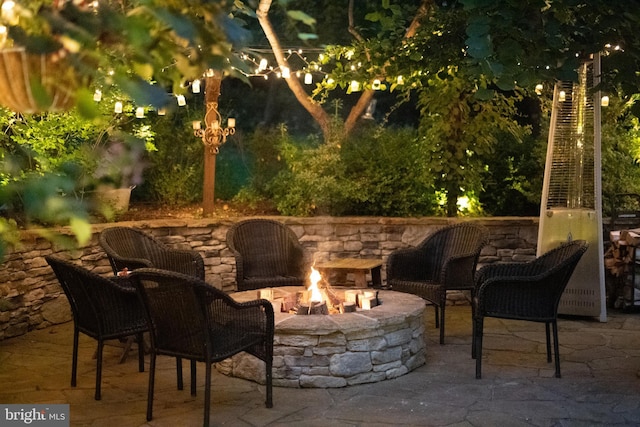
{"points": [[267, 248], [130, 248], [99, 305], [559, 264], [132, 244], [461, 239], [192, 319], [177, 323]]}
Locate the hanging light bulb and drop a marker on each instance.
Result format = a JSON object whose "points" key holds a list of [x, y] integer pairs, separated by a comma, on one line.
{"points": [[376, 84], [400, 80], [263, 64], [140, 113], [355, 85], [604, 101], [162, 111], [181, 101], [97, 95], [195, 86], [118, 107], [539, 88], [308, 79], [562, 96], [286, 73]]}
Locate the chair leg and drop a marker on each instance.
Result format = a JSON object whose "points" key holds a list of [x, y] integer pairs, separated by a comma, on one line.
{"points": [[548, 334], [473, 325], [207, 392], [99, 369], [152, 374], [74, 357], [269, 383], [479, 324], [556, 348], [179, 372], [443, 304], [193, 378], [140, 339]]}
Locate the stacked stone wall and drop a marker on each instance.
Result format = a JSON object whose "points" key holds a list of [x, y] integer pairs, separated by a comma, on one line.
{"points": [[31, 298]]}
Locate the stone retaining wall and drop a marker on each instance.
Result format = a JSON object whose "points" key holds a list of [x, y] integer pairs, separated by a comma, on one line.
{"points": [[31, 298]]}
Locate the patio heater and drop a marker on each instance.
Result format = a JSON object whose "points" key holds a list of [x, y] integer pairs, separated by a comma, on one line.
{"points": [[571, 205]]}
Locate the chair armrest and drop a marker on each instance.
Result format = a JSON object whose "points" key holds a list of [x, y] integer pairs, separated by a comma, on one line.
{"points": [[458, 271], [181, 261]]}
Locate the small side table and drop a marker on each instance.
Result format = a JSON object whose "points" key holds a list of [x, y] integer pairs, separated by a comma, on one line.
{"points": [[358, 266]]}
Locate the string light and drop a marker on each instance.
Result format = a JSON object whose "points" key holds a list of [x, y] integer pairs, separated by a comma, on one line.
{"points": [[140, 113], [97, 95], [181, 100], [118, 108]]}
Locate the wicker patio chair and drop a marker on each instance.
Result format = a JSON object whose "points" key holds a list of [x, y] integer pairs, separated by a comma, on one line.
{"points": [[525, 291], [445, 260], [102, 308], [131, 248], [267, 254], [193, 320]]}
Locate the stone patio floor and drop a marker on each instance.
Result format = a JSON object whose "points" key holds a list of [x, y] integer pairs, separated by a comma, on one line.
{"points": [[600, 384]]}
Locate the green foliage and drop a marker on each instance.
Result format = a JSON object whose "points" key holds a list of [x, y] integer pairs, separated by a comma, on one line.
{"points": [[174, 174], [620, 150], [132, 43], [375, 172], [459, 128]]}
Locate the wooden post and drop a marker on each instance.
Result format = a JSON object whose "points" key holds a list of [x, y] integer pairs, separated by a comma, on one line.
{"points": [[213, 80]]}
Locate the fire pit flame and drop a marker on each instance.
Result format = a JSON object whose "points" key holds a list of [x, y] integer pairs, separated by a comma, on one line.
{"points": [[315, 277]]}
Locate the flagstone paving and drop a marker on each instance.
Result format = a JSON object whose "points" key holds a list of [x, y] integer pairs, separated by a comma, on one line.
{"points": [[600, 384]]}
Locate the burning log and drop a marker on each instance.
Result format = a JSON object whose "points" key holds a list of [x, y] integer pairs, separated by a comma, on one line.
{"points": [[313, 308], [348, 307]]}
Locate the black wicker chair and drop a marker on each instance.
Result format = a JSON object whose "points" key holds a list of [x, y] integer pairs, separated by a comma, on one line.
{"points": [[193, 320], [445, 260], [525, 291], [267, 254], [102, 308], [131, 248]]}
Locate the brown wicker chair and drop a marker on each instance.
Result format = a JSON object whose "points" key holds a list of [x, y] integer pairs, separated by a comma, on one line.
{"points": [[131, 248], [267, 254], [525, 291], [102, 308], [193, 320], [445, 260]]}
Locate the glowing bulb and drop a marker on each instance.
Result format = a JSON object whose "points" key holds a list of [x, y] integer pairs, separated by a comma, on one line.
{"points": [[286, 73], [118, 107], [604, 101], [308, 79], [97, 95], [181, 101], [355, 86], [562, 96], [162, 112], [195, 86], [140, 112], [231, 122], [376, 84], [263, 65], [400, 80], [538, 89]]}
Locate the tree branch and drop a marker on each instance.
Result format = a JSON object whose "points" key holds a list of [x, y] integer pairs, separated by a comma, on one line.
{"points": [[317, 112], [366, 97]]}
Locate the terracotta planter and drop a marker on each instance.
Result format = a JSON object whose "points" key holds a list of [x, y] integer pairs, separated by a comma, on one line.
{"points": [[31, 83]]}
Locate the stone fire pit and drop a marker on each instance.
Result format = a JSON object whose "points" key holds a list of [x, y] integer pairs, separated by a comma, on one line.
{"points": [[339, 350]]}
